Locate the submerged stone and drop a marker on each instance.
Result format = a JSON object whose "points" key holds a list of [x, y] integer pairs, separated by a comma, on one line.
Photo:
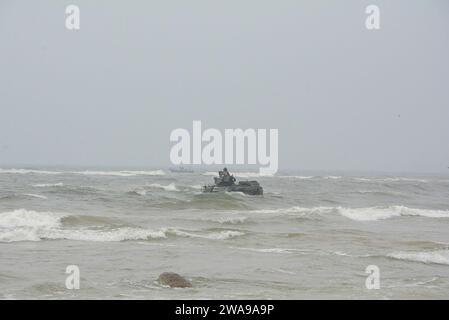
{"points": [[173, 280]]}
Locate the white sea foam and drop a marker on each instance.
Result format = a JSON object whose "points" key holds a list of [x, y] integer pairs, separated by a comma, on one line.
{"points": [[344, 254], [309, 177], [332, 177], [228, 220], [381, 213], [48, 185], [124, 173], [404, 179], [269, 250], [170, 187], [341, 253], [297, 210], [222, 235], [391, 179], [27, 171], [35, 196], [298, 177], [29, 218], [237, 193], [22, 225], [437, 257], [362, 179], [360, 214], [119, 234]]}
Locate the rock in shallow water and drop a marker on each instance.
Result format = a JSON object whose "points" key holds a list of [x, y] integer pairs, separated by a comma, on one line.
{"points": [[173, 280]]}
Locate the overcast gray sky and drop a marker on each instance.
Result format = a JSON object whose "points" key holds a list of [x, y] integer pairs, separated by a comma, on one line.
{"points": [[341, 96]]}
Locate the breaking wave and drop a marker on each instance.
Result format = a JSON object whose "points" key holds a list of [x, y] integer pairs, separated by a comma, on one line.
{"points": [[220, 235], [170, 187], [297, 210], [48, 185], [28, 225], [436, 257], [120, 234], [361, 214], [381, 213]]}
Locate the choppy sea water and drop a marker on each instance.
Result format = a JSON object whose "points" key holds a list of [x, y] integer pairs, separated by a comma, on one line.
{"points": [[307, 237]]}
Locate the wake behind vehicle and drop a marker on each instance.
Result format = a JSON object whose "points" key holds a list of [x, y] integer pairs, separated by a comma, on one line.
{"points": [[226, 183]]}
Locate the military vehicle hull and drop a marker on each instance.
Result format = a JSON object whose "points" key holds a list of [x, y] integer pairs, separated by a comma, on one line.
{"points": [[247, 187]]}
